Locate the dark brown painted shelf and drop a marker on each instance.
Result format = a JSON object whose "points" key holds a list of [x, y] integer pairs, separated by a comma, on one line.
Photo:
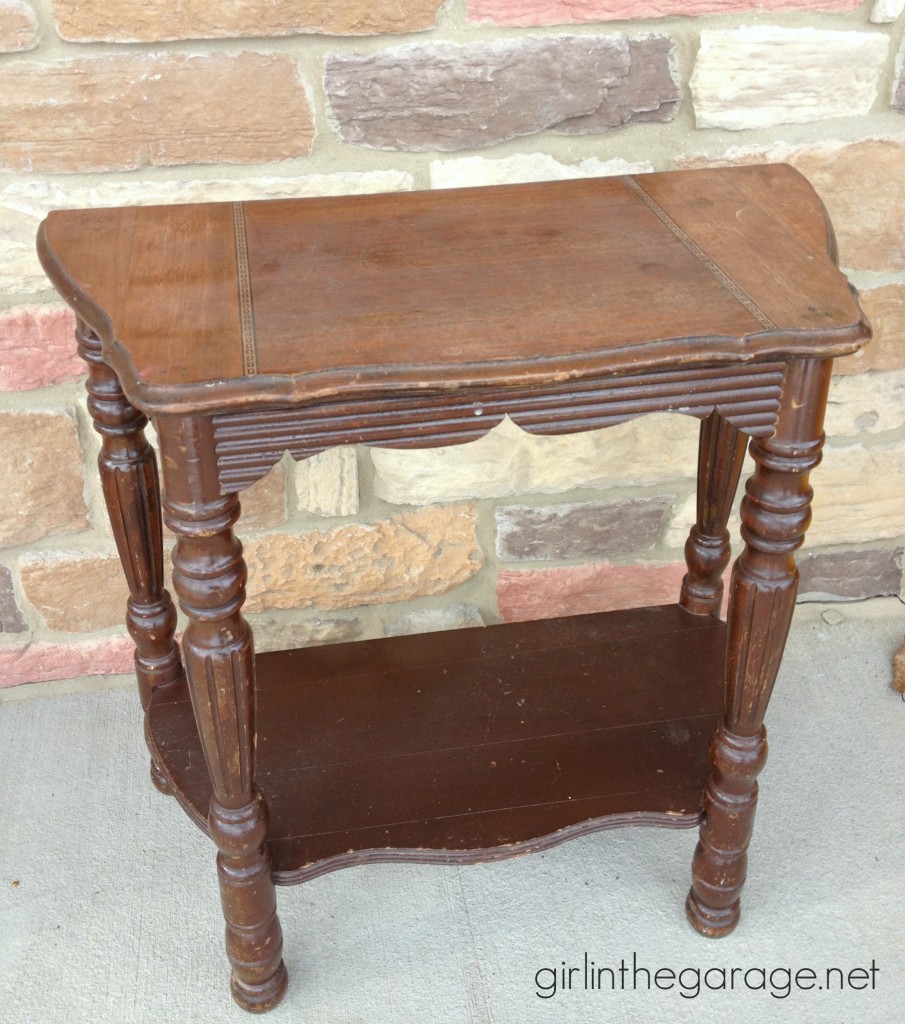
{"points": [[473, 744]]}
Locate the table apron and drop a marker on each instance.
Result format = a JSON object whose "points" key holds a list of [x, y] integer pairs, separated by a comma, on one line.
{"points": [[248, 444]]}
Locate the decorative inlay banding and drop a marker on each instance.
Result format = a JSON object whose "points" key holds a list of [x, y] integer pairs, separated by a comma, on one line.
{"points": [[725, 280], [246, 312]]}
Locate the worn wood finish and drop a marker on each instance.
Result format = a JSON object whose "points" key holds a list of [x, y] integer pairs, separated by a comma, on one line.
{"points": [[561, 727], [776, 511], [209, 575], [721, 452], [249, 444], [205, 307], [248, 330], [128, 471]]}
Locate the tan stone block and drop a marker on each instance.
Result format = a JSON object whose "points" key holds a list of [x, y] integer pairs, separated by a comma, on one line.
{"points": [[428, 551], [20, 270], [509, 461], [859, 495], [285, 631], [434, 620], [861, 184], [157, 110], [468, 171], [18, 26], [885, 308], [863, 188], [885, 11], [898, 88], [76, 592], [683, 519], [762, 75], [869, 402], [264, 503], [137, 21], [33, 197], [24, 204], [327, 484], [685, 514], [41, 466]]}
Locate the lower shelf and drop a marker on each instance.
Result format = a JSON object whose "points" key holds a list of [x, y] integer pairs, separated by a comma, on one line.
{"points": [[473, 744]]}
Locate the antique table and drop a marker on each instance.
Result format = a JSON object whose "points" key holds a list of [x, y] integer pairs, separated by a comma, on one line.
{"points": [[245, 330]]}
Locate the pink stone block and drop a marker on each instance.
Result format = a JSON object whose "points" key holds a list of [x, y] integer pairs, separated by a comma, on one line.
{"points": [[42, 661], [567, 12], [523, 596], [37, 347]]}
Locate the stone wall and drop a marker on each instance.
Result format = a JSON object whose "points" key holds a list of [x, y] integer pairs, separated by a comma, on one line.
{"points": [[106, 102]]}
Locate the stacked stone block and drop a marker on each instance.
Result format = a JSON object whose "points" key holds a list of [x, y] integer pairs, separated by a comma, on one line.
{"points": [[108, 102]]}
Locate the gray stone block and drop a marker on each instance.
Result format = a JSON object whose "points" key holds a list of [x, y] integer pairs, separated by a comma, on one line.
{"points": [[445, 97]]}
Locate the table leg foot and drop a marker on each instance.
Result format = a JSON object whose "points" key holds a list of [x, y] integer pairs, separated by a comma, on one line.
{"points": [[721, 859], [711, 922], [209, 575], [775, 514], [254, 939], [261, 997]]}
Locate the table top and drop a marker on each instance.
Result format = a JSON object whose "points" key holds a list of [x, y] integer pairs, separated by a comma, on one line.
{"points": [[219, 305]]}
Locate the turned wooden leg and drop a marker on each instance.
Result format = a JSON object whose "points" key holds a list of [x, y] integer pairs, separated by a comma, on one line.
{"points": [[775, 514], [209, 576], [721, 453], [128, 470]]}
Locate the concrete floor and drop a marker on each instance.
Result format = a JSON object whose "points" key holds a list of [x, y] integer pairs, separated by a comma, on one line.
{"points": [[109, 908]]}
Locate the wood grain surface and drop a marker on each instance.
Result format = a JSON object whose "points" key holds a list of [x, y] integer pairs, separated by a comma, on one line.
{"points": [[204, 305], [471, 744]]}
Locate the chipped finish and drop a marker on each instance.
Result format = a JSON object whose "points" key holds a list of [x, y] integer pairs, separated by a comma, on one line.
{"points": [[249, 444], [128, 471], [721, 452], [725, 306], [209, 575], [531, 284], [776, 511], [576, 739]]}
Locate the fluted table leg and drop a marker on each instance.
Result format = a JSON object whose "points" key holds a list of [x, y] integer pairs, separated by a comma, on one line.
{"points": [[209, 576], [776, 511], [721, 453], [128, 470]]}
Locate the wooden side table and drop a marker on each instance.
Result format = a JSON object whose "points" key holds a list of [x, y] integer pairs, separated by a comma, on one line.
{"points": [[246, 330]]}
